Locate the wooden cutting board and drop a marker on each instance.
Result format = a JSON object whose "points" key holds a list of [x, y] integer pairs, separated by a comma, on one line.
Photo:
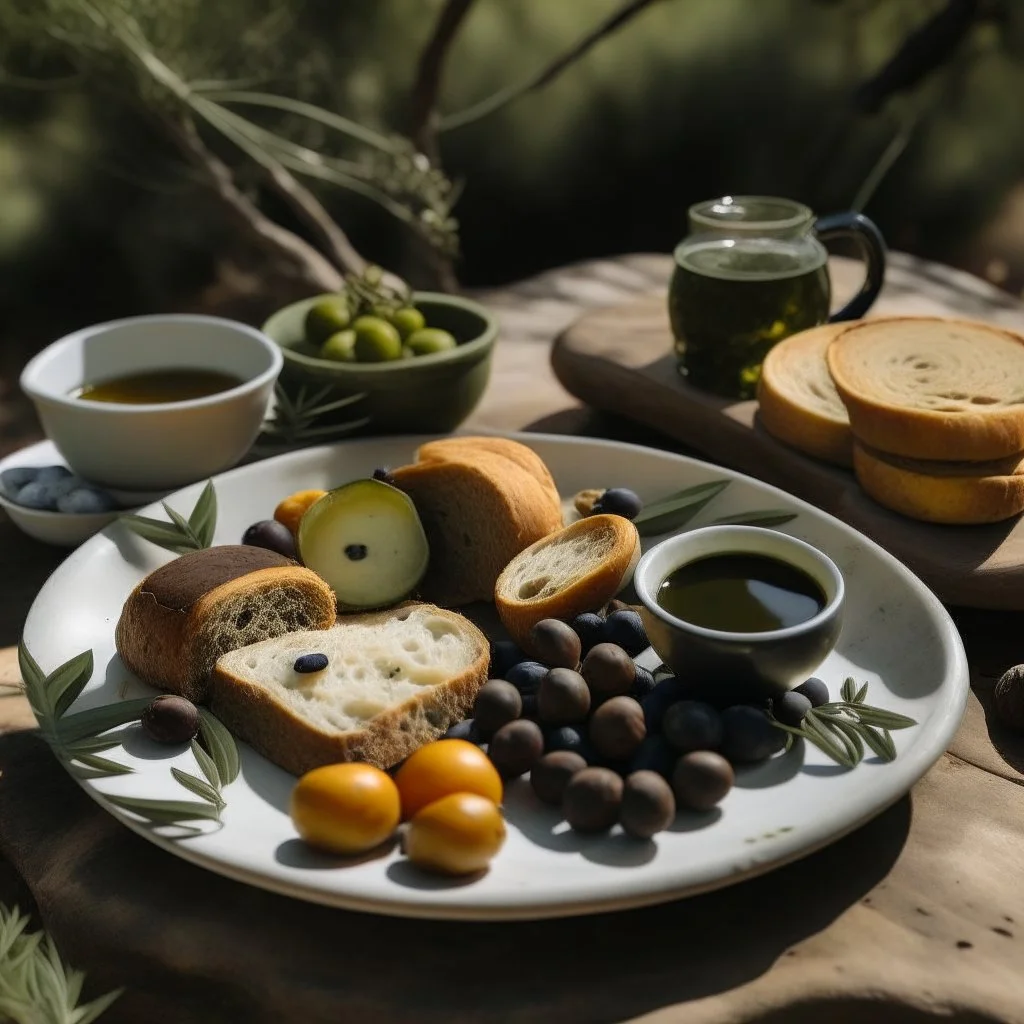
{"points": [[620, 360]]}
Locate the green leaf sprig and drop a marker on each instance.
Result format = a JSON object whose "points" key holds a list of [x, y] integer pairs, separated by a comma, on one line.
{"points": [[678, 509], [845, 729], [180, 534], [35, 983], [295, 416]]}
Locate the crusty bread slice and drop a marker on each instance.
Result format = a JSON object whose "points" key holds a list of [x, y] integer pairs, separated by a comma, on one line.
{"points": [[395, 680], [578, 569], [943, 492], [465, 449], [478, 515], [928, 388], [183, 616], [797, 402]]}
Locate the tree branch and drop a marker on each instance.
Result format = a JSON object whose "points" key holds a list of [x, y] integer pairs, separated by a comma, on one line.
{"points": [[424, 118], [548, 74]]}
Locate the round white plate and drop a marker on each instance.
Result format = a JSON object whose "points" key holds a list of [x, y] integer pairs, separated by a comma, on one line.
{"points": [[897, 637]]}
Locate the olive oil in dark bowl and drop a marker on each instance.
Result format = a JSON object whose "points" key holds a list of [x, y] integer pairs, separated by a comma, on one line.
{"points": [[739, 612]]}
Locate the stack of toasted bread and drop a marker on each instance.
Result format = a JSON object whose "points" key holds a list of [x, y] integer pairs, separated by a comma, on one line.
{"points": [[929, 412]]}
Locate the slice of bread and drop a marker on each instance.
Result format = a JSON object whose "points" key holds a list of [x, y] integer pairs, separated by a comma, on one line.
{"points": [[928, 388], [797, 402], [183, 616], [578, 569], [478, 514], [943, 492], [395, 680], [466, 448]]}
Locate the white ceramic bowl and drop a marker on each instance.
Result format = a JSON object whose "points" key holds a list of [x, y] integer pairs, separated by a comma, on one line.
{"points": [[160, 446]]}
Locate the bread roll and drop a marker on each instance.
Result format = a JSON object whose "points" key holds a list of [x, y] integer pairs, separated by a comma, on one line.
{"points": [[929, 388]]}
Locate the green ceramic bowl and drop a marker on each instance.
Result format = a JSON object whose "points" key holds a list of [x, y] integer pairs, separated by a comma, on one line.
{"points": [[425, 395]]}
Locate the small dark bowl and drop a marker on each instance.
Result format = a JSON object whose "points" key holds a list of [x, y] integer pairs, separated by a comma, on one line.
{"points": [[725, 667], [425, 395]]}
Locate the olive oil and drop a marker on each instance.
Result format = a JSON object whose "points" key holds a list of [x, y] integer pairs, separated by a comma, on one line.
{"points": [[741, 593], [155, 387]]}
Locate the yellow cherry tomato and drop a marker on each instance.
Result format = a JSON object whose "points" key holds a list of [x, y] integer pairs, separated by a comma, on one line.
{"points": [[345, 808], [444, 767], [456, 835], [295, 506]]}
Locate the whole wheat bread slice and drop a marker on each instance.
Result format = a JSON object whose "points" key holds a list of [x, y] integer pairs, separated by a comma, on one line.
{"points": [[395, 680]]}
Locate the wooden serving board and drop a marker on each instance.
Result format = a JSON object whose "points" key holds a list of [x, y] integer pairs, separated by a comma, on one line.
{"points": [[620, 360]]}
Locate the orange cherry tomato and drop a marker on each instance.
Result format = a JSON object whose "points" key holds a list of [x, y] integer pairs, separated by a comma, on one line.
{"points": [[345, 808], [444, 767], [456, 835], [291, 510]]}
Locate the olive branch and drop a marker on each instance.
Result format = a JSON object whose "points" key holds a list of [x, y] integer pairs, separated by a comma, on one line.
{"points": [[180, 534], [678, 509]]}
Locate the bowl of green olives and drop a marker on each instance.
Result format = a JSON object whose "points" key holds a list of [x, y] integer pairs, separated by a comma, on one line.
{"points": [[421, 360]]}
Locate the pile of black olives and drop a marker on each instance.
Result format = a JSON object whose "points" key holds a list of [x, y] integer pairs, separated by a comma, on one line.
{"points": [[606, 739]]}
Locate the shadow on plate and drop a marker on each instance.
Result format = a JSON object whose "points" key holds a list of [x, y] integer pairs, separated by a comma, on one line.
{"points": [[774, 771], [404, 872], [294, 853], [620, 851]]}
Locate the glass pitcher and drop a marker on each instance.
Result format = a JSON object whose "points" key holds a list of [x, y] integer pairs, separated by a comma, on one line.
{"points": [[753, 271]]}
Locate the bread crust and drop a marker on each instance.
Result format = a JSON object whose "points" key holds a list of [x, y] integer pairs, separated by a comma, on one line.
{"points": [[590, 591], [809, 430], [255, 715], [992, 432], [173, 650], [948, 493]]}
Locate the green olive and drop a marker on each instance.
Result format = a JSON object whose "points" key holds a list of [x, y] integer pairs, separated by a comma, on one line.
{"points": [[340, 346], [408, 320], [429, 340], [326, 317], [376, 340]]}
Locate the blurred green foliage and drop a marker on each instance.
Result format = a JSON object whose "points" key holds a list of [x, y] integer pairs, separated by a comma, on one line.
{"points": [[693, 98]]}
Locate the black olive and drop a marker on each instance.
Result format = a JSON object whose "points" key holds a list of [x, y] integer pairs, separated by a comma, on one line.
{"points": [[357, 552]]}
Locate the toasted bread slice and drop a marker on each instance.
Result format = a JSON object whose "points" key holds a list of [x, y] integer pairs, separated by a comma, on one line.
{"points": [[943, 492], [478, 515], [928, 388], [394, 680], [183, 616], [578, 569], [797, 402]]}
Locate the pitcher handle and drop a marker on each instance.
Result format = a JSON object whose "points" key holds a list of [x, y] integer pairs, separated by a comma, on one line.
{"points": [[871, 244]]}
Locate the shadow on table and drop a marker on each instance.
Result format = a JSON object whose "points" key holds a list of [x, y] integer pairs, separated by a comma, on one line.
{"points": [[125, 911]]}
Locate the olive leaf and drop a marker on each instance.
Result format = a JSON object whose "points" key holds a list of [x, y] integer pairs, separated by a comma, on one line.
{"points": [[180, 535], [678, 509], [98, 720], [759, 517], [220, 745], [200, 787], [849, 689], [294, 417], [207, 766], [203, 521], [165, 812], [103, 765]]}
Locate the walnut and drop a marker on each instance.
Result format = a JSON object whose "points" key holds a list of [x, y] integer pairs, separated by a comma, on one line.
{"points": [[1009, 698], [584, 501]]}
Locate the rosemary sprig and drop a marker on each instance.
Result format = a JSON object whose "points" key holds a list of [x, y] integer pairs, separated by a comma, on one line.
{"points": [[35, 983], [842, 729], [180, 534], [295, 416]]}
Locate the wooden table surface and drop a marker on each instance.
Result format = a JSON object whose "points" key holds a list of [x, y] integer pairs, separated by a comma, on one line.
{"points": [[916, 916]]}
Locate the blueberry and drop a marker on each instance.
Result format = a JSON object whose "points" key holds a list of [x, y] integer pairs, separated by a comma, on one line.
{"points": [[619, 501], [643, 683], [12, 480], [657, 702], [655, 754], [305, 663], [504, 654], [748, 735], [564, 737], [465, 730], [815, 690], [526, 676], [382, 474], [38, 495], [589, 627], [52, 474], [790, 708], [85, 501], [692, 725], [626, 630]]}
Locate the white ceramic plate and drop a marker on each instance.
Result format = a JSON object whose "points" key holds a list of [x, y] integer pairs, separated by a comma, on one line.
{"points": [[897, 637]]}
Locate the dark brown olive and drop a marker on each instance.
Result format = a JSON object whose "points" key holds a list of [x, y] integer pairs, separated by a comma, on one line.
{"points": [[648, 805], [497, 703], [701, 779], [563, 697], [591, 800], [551, 774], [516, 747], [617, 728], [555, 643], [170, 719], [609, 671]]}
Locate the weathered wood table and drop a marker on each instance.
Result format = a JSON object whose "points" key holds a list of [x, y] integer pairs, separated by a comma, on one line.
{"points": [[917, 916]]}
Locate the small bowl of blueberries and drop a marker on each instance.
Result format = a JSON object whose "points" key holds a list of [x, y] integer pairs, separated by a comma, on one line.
{"points": [[49, 502]]}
